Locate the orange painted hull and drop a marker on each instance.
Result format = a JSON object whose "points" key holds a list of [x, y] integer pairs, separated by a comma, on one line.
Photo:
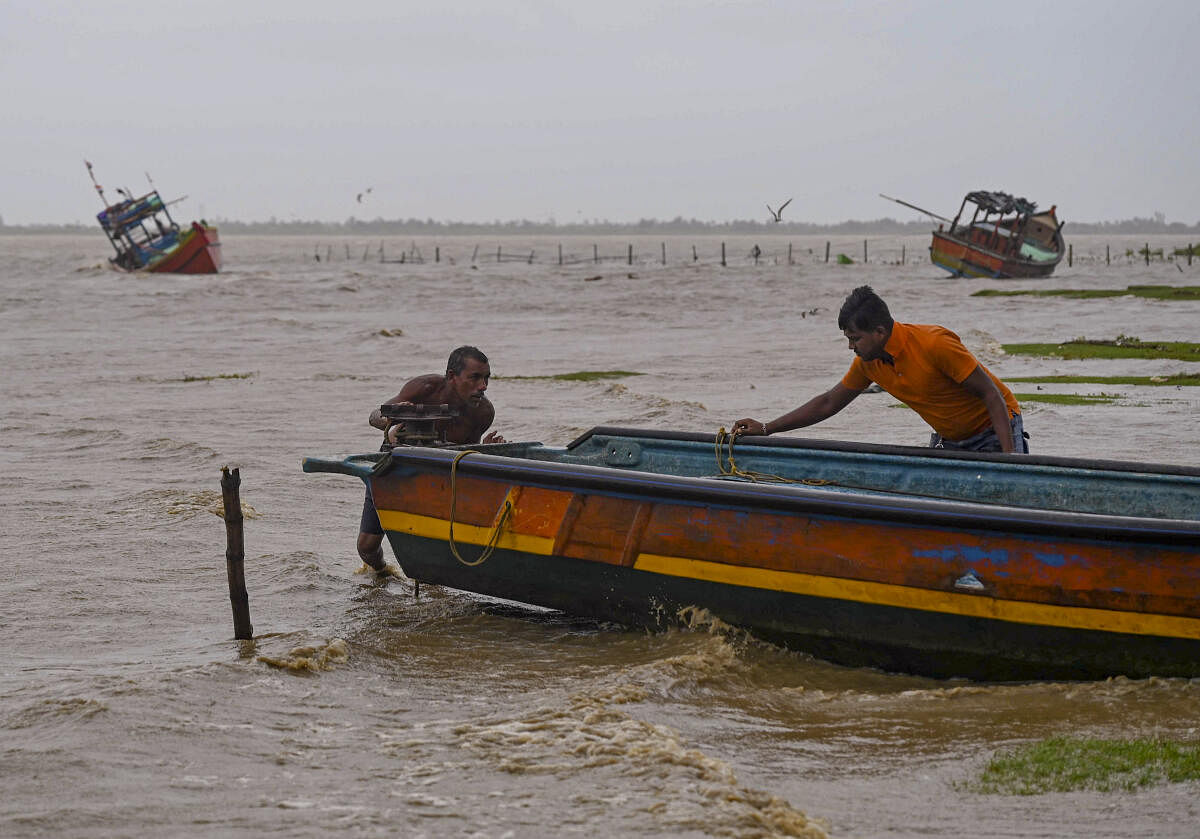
{"points": [[198, 252], [908, 584]]}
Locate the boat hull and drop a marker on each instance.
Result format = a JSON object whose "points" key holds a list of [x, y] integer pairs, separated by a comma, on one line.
{"points": [[894, 580], [198, 252], [962, 258]]}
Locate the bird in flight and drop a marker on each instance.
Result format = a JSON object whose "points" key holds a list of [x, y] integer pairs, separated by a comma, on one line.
{"points": [[367, 191], [777, 215]]}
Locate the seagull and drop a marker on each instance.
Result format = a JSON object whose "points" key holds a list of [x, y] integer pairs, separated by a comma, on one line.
{"points": [[777, 215], [358, 198]]}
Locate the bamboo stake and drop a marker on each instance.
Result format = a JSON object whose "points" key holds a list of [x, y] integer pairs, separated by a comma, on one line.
{"points": [[235, 553]]}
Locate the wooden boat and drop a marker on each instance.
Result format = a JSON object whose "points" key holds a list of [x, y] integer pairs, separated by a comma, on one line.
{"points": [[146, 238], [925, 561], [1006, 237]]}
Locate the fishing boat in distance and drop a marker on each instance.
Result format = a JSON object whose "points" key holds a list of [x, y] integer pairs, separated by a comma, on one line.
{"points": [[1006, 237], [147, 239], [926, 561]]}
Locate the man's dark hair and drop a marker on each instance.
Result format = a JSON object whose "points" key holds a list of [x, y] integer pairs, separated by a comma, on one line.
{"points": [[863, 311], [458, 359]]}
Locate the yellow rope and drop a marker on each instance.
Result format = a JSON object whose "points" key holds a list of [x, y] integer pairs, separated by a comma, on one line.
{"points": [[733, 470], [490, 547]]}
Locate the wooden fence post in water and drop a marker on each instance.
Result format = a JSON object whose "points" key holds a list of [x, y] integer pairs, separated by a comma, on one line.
{"points": [[1107, 256], [631, 254], [826, 251], [790, 253], [1147, 253], [903, 248], [664, 253], [235, 553], [1070, 255], [595, 254], [722, 254], [1189, 254], [437, 253], [695, 256], [560, 253], [864, 250]]}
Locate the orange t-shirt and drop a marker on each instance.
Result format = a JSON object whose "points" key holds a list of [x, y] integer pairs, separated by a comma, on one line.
{"points": [[929, 365]]}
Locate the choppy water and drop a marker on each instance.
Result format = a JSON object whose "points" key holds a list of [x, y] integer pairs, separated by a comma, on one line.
{"points": [[126, 708]]}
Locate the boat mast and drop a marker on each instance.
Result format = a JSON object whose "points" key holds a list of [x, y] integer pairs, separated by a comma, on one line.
{"points": [[99, 189]]}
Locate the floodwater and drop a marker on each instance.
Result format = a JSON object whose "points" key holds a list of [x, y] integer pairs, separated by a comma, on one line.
{"points": [[127, 709]]}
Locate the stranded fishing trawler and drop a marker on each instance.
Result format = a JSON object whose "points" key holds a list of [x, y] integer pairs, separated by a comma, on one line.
{"points": [[146, 238], [928, 561], [1005, 238]]}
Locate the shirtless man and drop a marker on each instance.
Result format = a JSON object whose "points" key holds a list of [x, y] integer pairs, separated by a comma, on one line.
{"points": [[462, 388], [926, 367]]}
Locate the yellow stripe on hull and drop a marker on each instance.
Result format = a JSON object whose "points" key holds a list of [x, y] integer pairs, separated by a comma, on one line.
{"points": [[926, 600], [429, 527], [836, 588]]}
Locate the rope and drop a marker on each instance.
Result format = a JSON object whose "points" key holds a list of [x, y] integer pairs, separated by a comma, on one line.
{"points": [[732, 470], [490, 546]]}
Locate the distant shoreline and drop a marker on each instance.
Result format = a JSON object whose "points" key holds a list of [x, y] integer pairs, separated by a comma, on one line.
{"points": [[678, 226]]}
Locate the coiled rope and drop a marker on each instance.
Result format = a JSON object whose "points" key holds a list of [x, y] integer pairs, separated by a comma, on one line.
{"points": [[728, 467], [490, 546]]}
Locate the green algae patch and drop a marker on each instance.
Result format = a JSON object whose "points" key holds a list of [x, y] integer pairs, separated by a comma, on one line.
{"points": [[1153, 292], [1066, 764], [1068, 398], [579, 376], [1123, 346], [1177, 379]]}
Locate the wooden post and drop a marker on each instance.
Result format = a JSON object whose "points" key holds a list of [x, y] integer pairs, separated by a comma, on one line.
{"points": [[1107, 256], [1070, 255], [1189, 254], [474, 254], [664, 253], [826, 251], [366, 250], [498, 253], [1147, 253], [864, 250], [437, 253], [595, 254], [789, 253], [695, 256], [347, 251], [902, 253], [631, 254], [560, 253], [235, 554]]}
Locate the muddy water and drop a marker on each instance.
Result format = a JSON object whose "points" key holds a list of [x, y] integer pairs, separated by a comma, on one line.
{"points": [[126, 708]]}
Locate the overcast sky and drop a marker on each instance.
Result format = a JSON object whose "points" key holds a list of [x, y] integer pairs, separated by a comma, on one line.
{"points": [[613, 110]]}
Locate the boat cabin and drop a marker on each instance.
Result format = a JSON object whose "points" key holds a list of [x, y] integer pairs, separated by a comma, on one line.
{"points": [[139, 229]]}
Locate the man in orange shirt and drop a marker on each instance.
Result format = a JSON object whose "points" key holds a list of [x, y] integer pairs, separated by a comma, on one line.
{"points": [[926, 367]]}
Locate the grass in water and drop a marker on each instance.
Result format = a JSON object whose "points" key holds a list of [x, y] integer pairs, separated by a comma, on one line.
{"points": [[1155, 292], [1068, 398], [1063, 764], [214, 378], [1178, 379], [1123, 346], [579, 376]]}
